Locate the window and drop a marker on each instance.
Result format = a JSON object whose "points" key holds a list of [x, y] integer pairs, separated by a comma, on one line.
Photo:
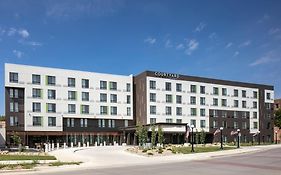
{"points": [[126, 123], [36, 79], [267, 105], [36, 107], [202, 123], [235, 114], [192, 100], [16, 93], [113, 110], [235, 93], [255, 104], [103, 97], [85, 96], [236, 103], [215, 90], [16, 107], [244, 125], [244, 114], [169, 120], [128, 99], [179, 99], [85, 109], [72, 122], [168, 86], [168, 110], [179, 111], [71, 95], [128, 111], [202, 112], [152, 120], [11, 93], [223, 102], [244, 104], [71, 108], [51, 94], [235, 125], [99, 123], [12, 107], [111, 123], [152, 84], [85, 83], [193, 111], [255, 115], [71, 82], [169, 98], [14, 77], [113, 98], [112, 85], [224, 91], [37, 121], [51, 80], [51, 107], [128, 87], [193, 122], [255, 94], [268, 96], [215, 124], [153, 110], [52, 121], [224, 124], [224, 114], [103, 85], [244, 93], [103, 110], [193, 88], [214, 113], [202, 89], [255, 125], [178, 87], [83, 122], [202, 101], [14, 121], [152, 97], [179, 121], [36, 93]]}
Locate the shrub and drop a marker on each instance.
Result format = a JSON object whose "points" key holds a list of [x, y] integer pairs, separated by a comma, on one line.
{"points": [[150, 153], [160, 151]]}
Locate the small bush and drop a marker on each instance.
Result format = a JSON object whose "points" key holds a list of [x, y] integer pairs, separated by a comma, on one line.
{"points": [[58, 163], [160, 151], [144, 150], [150, 153]]}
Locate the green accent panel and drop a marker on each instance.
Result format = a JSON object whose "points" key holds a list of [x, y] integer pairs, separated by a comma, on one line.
{"points": [[76, 95], [42, 121], [41, 93], [46, 107], [46, 80], [80, 109]]}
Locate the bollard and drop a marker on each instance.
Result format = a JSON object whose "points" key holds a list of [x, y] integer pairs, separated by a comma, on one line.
{"points": [[96, 143], [58, 145], [79, 144], [53, 146], [84, 144], [46, 147], [104, 143], [88, 144], [71, 144], [64, 145]]}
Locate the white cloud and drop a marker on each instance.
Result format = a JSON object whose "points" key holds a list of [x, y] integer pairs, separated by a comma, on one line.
{"points": [[31, 43], [267, 58], [236, 53], [18, 53], [213, 35], [228, 45], [23, 33], [200, 27], [246, 43], [265, 17], [273, 31], [168, 44], [12, 31], [192, 45], [150, 40], [180, 46]]}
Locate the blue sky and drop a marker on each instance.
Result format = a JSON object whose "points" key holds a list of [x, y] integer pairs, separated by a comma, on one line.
{"points": [[235, 40]]}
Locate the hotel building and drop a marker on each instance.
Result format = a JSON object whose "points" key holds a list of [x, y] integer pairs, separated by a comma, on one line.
{"points": [[58, 105]]}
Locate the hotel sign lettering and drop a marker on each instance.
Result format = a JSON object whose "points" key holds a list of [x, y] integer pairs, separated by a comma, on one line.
{"points": [[166, 75]]}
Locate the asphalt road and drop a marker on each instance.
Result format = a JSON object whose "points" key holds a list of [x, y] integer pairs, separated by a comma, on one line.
{"points": [[260, 163]]}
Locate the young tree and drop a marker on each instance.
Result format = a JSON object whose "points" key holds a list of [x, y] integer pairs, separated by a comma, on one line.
{"points": [[144, 135], [202, 136], [277, 120], [160, 135], [153, 136], [139, 130]]}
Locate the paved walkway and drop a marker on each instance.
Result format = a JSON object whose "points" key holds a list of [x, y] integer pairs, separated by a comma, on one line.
{"points": [[113, 156]]}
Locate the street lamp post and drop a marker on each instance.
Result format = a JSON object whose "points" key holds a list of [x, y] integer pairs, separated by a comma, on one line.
{"points": [[275, 137], [192, 139], [238, 138], [259, 139], [221, 128]]}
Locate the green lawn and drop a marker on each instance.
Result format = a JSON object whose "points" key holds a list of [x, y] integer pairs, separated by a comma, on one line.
{"points": [[187, 150], [250, 144], [6, 157]]}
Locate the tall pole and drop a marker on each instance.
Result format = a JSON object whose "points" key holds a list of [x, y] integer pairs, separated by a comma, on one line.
{"points": [[221, 128], [238, 138], [192, 139], [275, 137], [259, 137]]}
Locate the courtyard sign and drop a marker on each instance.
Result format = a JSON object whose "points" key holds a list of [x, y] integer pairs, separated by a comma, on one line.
{"points": [[166, 75]]}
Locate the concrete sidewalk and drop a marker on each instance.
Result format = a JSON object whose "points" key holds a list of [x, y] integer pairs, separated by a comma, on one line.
{"points": [[117, 156]]}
